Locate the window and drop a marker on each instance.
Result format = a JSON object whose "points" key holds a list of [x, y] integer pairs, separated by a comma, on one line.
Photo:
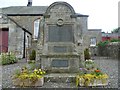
{"points": [[36, 29], [93, 41]]}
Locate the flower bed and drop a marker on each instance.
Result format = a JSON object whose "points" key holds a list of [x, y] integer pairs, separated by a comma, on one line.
{"points": [[27, 78], [27, 82], [92, 80], [90, 75], [8, 58]]}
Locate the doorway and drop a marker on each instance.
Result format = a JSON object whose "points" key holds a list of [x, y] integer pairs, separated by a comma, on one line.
{"points": [[4, 40]]}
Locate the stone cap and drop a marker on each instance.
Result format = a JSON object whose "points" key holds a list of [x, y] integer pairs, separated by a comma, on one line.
{"points": [[58, 55]]}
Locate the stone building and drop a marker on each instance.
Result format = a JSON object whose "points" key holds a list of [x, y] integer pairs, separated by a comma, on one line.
{"points": [[20, 23], [25, 26], [94, 36]]}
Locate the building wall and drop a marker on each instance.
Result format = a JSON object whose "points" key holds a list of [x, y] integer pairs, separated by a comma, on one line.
{"points": [[16, 40], [26, 22], [82, 26], [15, 37], [91, 33]]}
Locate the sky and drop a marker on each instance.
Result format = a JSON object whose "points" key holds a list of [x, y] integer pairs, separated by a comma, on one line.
{"points": [[103, 14]]}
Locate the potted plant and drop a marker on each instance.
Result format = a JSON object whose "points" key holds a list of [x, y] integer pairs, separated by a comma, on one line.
{"points": [[86, 54], [95, 78], [89, 65], [32, 57], [25, 78]]}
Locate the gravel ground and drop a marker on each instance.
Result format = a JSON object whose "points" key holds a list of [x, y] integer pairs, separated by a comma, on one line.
{"points": [[109, 66], [8, 71]]}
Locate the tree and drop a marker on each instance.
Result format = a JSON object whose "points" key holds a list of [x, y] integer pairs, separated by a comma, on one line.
{"points": [[116, 30]]}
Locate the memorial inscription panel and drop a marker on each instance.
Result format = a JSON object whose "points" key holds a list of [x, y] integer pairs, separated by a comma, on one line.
{"points": [[60, 33], [59, 63]]}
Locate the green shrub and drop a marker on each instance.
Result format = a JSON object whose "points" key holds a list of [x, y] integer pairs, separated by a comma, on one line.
{"points": [[8, 58], [86, 54], [17, 72], [104, 43], [31, 61], [115, 40], [32, 66], [33, 55]]}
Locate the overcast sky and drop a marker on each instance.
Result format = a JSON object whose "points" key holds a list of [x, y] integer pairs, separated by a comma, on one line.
{"points": [[103, 14]]}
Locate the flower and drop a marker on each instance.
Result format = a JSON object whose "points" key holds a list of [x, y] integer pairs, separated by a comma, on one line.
{"points": [[81, 68], [35, 70], [41, 73], [104, 76], [40, 70], [91, 60], [97, 71]]}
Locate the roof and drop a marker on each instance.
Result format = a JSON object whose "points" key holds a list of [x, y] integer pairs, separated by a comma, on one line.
{"points": [[94, 30], [110, 34], [30, 10], [24, 10], [81, 15]]}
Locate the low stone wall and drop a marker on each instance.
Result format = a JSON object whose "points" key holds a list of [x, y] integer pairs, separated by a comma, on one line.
{"points": [[111, 50], [93, 51]]}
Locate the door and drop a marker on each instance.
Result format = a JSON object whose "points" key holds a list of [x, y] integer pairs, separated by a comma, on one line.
{"points": [[4, 40]]}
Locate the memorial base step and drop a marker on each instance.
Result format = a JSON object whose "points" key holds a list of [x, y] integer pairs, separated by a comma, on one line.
{"points": [[60, 77]]}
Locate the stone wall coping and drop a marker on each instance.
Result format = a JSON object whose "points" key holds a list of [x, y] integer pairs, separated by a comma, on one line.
{"points": [[63, 56]]}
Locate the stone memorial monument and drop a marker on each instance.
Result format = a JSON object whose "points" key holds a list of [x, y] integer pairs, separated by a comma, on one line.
{"points": [[60, 45]]}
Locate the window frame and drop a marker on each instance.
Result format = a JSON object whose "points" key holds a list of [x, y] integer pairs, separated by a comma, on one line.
{"points": [[93, 41], [37, 27]]}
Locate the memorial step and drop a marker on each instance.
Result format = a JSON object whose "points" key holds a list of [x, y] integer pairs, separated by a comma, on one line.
{"points": [[60, 77]]}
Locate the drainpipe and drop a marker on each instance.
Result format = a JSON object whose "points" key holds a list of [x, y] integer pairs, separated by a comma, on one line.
{"points": [[24, 44]]}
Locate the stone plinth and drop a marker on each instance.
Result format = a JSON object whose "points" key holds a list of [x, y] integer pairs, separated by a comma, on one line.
{"points": [[60, 63], [61, 77]]}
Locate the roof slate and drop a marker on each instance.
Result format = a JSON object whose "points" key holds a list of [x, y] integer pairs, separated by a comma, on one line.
{"points": [[24, 10]]}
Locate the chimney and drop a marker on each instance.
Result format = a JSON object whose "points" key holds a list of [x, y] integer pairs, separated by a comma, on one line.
{"points": [[29, 3]]}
